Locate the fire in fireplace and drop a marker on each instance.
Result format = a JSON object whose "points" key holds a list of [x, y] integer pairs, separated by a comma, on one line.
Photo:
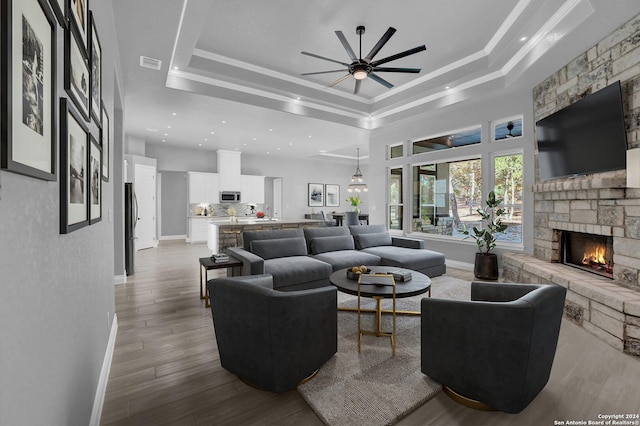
{"points": [[592, 253]]}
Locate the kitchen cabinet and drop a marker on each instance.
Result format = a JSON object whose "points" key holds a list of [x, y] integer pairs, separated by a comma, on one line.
{"points": [[198, 229], [203, 187], [252, 189], [229, 170]]}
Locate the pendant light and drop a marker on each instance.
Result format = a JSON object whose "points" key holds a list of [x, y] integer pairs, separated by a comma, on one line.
{"points": [[357, 183]]}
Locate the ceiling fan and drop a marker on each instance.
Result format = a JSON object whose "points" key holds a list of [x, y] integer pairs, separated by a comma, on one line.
{"points": [[362, 68]]}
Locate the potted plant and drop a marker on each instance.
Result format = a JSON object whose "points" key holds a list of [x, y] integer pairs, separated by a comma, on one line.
{"points": [[486, 263]]}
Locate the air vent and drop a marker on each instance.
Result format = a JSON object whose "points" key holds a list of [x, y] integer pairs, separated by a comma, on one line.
{"points": [[154, 64]]}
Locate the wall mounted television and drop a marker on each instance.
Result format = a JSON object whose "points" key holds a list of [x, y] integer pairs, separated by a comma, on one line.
{"points": [[586, 137]]}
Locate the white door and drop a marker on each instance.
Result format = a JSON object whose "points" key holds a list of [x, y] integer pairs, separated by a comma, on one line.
{"points": [[277, 198], [145, 190]]}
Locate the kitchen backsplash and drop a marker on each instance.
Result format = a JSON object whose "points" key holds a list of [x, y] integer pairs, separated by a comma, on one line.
{"points": [[222, 210]]}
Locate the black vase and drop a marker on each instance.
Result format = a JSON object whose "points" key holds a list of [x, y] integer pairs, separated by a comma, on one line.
{"points": [[486, 266]]}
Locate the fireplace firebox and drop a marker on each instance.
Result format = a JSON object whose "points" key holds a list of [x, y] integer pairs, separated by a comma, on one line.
{"points": [[589, 252]]}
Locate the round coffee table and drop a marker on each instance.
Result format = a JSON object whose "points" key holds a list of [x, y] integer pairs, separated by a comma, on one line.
{"points": [[418, 284]]}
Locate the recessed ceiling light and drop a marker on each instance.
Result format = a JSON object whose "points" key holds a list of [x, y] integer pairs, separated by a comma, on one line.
{"points": [[173, 113], [151, 130], [290, 143], [244, 144], [278, 148], [224, 122], [271, 130], [168, 127], [166, 134], [298, 98], [523, 38], [268, 153], [199, 144], [205, 139], [309, 135], [176, 68], [213, 133], [322, 151], [254, 139], [164, 140], [447, 87]]}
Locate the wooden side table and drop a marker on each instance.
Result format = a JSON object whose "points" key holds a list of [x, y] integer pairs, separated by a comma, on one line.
{"points": [[206, 264]]}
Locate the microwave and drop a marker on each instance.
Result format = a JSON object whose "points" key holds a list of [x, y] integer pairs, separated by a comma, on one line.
{"points": [[229, 196]]}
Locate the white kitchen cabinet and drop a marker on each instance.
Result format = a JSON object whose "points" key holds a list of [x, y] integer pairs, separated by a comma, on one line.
{"points": [[252, 189], [203, 187], [198, 229]]}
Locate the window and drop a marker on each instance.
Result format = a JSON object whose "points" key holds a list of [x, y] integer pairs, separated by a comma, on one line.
{"points": [[507, 129], [395, 198], [396, 151], [508, 186], [446, 196], [461, 138]]}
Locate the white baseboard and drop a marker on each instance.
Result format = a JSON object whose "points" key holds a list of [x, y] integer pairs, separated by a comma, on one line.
{"points": [[459, 265], [120, 279], [173, 237], [98, 401]]}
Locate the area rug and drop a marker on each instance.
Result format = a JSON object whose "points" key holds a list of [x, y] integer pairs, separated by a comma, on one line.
{"points": [[373, 387]]}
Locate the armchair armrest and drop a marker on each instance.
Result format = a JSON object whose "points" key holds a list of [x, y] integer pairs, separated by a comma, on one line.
{"points": [[407, 242], [251, 264]]}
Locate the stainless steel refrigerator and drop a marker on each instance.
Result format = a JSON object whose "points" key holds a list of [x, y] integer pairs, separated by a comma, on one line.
{"points": [[130, 220]]}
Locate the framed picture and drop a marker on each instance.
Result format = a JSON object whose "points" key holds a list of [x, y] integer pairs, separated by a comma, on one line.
{"points": [[316, 195], [79, 11], [60, 9], [74, 169], [95, 181], [27, 92], [508, 128], [76, 72], [105, 142], [332, 195], [95, 56]]}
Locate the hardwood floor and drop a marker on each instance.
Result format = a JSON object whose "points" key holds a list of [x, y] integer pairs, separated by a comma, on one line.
{"points": [[166, 369]]}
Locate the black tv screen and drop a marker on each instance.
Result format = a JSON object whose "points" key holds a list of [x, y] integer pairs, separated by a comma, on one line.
{"points": [[586, 137]]}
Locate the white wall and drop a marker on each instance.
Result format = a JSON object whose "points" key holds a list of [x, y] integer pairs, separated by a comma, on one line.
{"points": [[57, 302], [500, 105]]}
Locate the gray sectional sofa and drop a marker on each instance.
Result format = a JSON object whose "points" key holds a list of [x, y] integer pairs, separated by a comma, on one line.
{"points": [[300, 259]]}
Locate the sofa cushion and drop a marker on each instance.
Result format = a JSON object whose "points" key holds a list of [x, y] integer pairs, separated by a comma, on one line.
{"points": [[281, 247], [335, 243], [249, 236], [364, 241], [415, 259], [294, 270], [367, 229], [347, 258]]}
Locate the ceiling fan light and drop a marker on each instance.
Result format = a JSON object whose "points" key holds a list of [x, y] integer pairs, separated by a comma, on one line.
{"points": [[360, 74]]}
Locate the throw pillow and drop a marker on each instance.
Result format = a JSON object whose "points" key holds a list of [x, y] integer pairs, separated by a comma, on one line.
{"points": [[373, 240], [333, 243], [279, 247]]}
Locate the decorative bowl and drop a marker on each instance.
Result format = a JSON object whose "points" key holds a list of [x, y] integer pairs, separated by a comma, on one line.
{"points": [[353, 276]]}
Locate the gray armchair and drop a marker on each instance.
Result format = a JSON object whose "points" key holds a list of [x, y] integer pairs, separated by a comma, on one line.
{"points": [[498, 348], [271, 339]]}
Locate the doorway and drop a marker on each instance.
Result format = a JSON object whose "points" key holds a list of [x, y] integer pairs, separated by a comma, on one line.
{"points": [[145, 189]]}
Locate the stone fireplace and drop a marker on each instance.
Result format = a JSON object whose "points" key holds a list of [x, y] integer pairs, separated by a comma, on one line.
{"points": [[587, 252], [607, 303]]}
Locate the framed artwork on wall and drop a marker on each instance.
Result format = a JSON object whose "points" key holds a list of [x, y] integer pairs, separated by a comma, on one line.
{"points": [[95, 56], [79, 17], [76, 72], [74, 169], [95, 181], [105, 142], [331, 195], [60, 9], [316, 195], [27, 111]]}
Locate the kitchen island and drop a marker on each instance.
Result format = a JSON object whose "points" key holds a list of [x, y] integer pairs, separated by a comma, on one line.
{"points": [[223, 233]]}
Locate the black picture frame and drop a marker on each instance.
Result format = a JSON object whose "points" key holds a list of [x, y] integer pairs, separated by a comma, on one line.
{"points": [[74, 169], [77, 80], [28, 88], [95, 62], [78, 11], [331, 195], [315, 195], [105, 141], [94, 181], [60, 9]]}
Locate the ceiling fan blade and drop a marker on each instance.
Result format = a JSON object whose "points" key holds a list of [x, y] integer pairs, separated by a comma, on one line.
{"points": [[382, 81], [326, 59], [356, 90], [383, 40], [322, 72], [398, 55], [341, 79], [347, 46], [411, 70]]}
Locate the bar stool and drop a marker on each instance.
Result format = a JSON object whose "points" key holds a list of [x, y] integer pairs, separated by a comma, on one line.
{"points": [[235, 234]]}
